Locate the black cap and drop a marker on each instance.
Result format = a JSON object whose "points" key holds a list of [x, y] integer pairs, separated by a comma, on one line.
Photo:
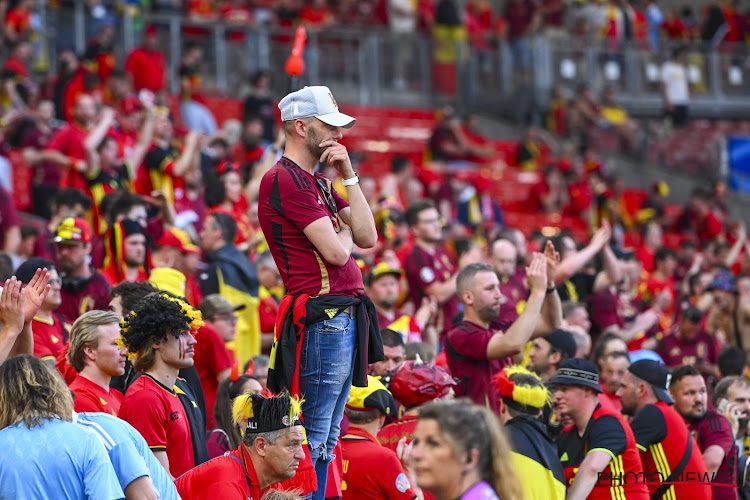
{"points": [[577, 371], [26, 271], [563, 341], [656, 374]]}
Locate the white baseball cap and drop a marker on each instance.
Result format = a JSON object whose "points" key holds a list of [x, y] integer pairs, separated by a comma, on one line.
{"points": [[315, 102]]}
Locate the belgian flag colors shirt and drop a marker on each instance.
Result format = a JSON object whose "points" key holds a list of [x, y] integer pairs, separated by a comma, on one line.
{"points": [[607, 432]]}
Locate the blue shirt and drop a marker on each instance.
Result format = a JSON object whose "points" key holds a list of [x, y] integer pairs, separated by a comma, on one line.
{"points": [[56, 459], [129, 453]]}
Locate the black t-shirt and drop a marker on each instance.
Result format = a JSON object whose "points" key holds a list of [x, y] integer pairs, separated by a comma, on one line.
{"points": [[604, 433], [649, 426], [577, 288]]}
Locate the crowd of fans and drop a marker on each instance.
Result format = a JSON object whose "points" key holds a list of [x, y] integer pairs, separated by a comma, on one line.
{"points": [[150, 269]]}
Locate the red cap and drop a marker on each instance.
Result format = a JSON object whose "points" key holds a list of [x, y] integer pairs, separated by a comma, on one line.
{"points": [[415, 384], [130, 104], [151, 29], [179, 239], [73, 230]]}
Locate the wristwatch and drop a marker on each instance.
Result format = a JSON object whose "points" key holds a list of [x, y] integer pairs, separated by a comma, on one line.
{"points": [[351, 181]]}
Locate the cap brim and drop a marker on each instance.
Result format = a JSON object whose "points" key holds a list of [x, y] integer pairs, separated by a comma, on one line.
{"points": [[576, 382], [65, 241], [338, 120], [238, 307], [662, 395]]}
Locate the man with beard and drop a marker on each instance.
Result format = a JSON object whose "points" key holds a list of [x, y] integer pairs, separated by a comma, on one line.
{"points": [[548, 352], [614, 367], [311, 232], [711, 429], [668, 451], [475, 352], [394, 353], [504, 259], [50, 334], [97, 357], [384, 289], [429, 269], [83, 288], [158, 333]]}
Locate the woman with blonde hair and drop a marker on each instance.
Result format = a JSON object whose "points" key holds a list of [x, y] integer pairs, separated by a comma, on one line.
{"points": [[36, 434], [460, 452]]}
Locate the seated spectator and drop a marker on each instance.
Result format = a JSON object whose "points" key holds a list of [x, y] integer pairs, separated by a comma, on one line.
{"points": [[367, 410], [226, 435], [38, 408], [270, 451], [97, 356], [617, 117]]}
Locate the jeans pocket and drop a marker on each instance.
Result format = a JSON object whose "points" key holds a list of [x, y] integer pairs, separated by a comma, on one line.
{"points": [[338, 324]]}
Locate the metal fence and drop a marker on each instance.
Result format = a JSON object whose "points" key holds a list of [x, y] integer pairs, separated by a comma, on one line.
{"points": [[372, 66]]}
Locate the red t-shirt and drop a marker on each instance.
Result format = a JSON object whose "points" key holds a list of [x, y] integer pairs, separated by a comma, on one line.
{"points": [[223, 477], [371, 470], [148, 69], [17, 66], [78, 300], [466, 350], [515, 292], [714, 430], [69, 141], [157, 413], [675, 351], [50, 338], [424, 269], [291, 199], [90, 396], [211, 358], [661, 435]]}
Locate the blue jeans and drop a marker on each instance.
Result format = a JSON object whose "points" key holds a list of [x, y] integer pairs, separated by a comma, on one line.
{"points": [[326, 366]]}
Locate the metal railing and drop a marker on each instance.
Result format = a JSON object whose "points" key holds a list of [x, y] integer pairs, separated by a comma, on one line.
{"points": [[376, 67]]}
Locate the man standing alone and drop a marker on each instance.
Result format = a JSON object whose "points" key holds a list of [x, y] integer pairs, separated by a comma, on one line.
{"points": [[311, 232]]}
